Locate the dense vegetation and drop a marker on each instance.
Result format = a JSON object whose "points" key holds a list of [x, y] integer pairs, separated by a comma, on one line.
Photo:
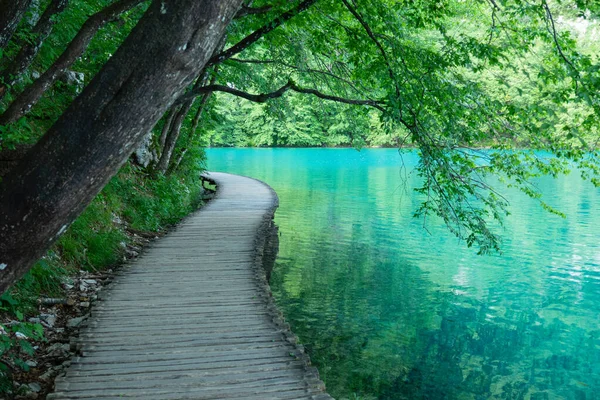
{"points": [[446, 77]]}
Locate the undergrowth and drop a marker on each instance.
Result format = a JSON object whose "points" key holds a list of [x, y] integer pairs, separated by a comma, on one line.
{"points": [[134, 201]]}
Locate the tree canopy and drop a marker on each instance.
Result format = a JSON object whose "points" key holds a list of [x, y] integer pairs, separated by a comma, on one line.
{"points": [[86, 83]]}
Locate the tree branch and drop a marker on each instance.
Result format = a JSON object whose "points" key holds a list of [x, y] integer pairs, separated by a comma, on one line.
{"points": [[245, 10], [29, 51], [299, 69], [30, 96], [257, 34], [552, 31], [371, 35], [290, 85]]}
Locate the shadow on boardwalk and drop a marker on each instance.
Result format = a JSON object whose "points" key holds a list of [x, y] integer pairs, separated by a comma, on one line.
{"points": [[193, 317]]}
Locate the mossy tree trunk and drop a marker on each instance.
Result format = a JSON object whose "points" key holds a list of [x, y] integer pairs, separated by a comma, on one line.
{"points": [[67, 168], [12, 12], [26, 55]]}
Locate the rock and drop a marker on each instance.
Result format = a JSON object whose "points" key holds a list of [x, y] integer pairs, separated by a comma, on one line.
{"points": [[20, 335], [35, 320], [49, 319], [76, 79], [84, 304], [75, 322], [35, 387], [33, 16], [48, 375], [31, 363], [144, 155], [59, 350], [132, 253], [90, 281]]}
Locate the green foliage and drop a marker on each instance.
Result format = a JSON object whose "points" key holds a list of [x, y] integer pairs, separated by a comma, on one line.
{"points": [[14, 341], [153, 204], [453, 75], [449, 75]]}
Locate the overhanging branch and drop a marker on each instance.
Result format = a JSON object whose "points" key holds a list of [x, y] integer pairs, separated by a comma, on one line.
{"points": [[290, 85], [246, 10], [257, 34], [372, 36]]}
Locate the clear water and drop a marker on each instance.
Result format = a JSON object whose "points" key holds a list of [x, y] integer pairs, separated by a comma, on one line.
{"points": [[390, 311]]}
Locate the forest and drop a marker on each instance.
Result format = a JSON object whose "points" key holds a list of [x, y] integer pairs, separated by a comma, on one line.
{"points": [[106, 107]]}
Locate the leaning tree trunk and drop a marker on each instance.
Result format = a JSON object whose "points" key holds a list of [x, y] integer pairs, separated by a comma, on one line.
{"points": [[30, 96], [26, 55], [67, 168], [192, 133], [12, 12], [196, 121], [169, 141]]}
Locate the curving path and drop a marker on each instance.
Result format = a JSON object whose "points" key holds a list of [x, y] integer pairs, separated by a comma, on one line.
{"points": [[193, 318]]}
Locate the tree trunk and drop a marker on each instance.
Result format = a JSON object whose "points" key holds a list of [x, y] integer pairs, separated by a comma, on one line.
{"points": [[26, 55], [168, 145], [196, 121], [67, 168], [171, 138], [12, 12], [30, 96], [167, 127]]}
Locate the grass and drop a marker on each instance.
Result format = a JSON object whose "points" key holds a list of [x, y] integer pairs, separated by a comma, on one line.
{"points": [[134, 200], [97, 239]]}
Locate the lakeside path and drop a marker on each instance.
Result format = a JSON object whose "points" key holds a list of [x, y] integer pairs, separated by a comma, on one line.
{"points": [[193, 318]]}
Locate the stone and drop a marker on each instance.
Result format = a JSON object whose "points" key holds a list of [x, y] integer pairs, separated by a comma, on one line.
{"points": [[75, 322], [84, 304], [144, 155], [35, 387], [76, 79], [48, 375], [59, 350], [49, 319], [31, 363], [132, 253], [90, 281]]}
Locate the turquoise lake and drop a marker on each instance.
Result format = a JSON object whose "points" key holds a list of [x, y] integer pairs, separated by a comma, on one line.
{"points": [[389, 310]]}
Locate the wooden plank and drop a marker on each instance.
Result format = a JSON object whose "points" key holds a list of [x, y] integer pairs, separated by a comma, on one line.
{"points": [[192, 317]]}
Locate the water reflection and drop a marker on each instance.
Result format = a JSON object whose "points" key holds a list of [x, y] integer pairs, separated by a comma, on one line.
{"points": [[389, 311]]}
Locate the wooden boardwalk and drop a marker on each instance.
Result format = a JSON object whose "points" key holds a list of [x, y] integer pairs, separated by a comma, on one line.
{"points": [[193, 317]]}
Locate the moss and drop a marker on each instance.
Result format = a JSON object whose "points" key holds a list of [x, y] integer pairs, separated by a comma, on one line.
{"points": [[133, 200]]}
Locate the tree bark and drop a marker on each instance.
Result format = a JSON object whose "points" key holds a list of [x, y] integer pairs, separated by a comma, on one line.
{"points": [[12, 12], [31, 95], [67, 168], [26, 55], [167, 127], [195, 123], [171, 138], [168, 141]]}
